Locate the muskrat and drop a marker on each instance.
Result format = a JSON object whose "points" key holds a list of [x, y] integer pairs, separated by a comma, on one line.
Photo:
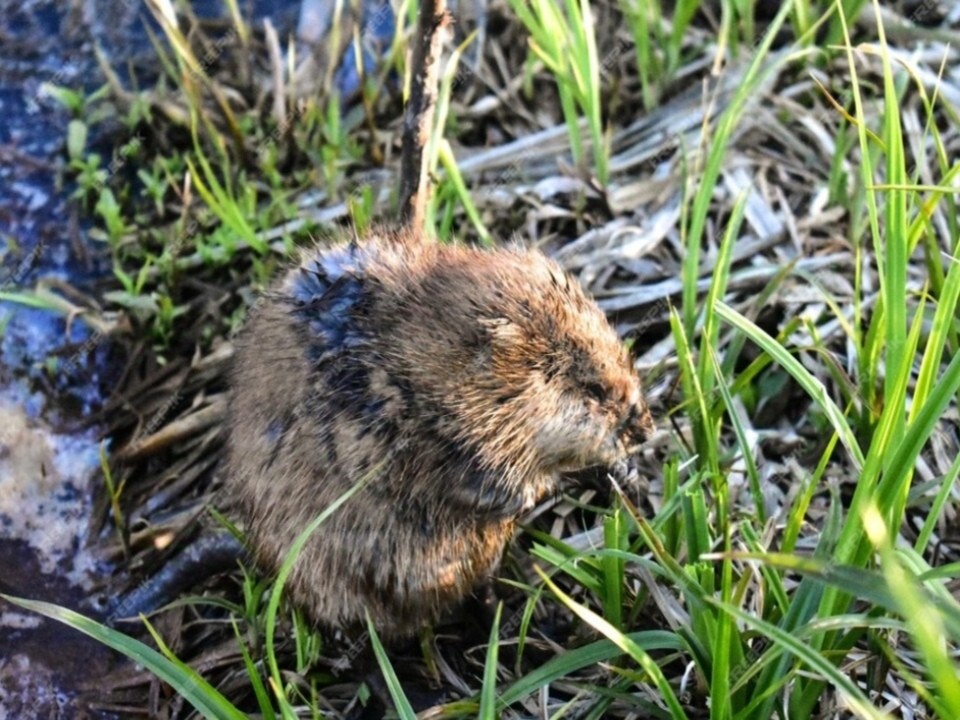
{"points": [[462, 381]]}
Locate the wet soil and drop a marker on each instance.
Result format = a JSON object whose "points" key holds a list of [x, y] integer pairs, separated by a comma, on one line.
{"points": [[55, 371]]}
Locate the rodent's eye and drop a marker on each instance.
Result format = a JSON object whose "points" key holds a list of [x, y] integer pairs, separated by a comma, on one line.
{"points": [[596, 391]]}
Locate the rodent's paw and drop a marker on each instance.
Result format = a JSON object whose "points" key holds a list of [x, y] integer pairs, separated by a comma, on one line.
{"points": [[482, 494], [625, 471], [531, 496]]}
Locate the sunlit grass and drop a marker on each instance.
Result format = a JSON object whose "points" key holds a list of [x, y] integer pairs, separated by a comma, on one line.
{"points": [[562, 37]]}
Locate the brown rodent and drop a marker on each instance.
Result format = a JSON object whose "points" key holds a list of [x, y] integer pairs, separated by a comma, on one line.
{"points": [[467, 379]]}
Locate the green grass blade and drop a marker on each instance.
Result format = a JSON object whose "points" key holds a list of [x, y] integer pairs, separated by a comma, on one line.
{"points": [[813, 659], [813, 387], [943, 394], [868, 585], [488, 694], [936, 507], [463, 194], [624, 643], [582, 657], [256, 683], [181, 677], [927, 628], [401, 704], [753, 476], [896, 230], [613, 568], [273, 606], [757, 70]]}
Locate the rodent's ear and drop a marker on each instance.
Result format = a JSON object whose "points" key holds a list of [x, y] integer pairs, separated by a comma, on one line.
{"points": [[502, 331]]}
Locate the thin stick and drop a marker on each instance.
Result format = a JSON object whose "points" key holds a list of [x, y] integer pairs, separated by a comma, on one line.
{"points": [[418, 117]]}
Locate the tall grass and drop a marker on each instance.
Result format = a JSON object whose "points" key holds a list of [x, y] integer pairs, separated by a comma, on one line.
{"points": [[562, 37], [788, 652]]}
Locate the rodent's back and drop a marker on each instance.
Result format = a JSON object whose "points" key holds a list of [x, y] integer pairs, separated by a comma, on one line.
{"points": [[463, 381]]}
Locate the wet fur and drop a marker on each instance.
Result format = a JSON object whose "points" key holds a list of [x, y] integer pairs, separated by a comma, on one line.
{"points": [[468, 379]]}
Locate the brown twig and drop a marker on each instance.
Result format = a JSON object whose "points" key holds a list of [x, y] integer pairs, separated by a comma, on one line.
{"points": [[418, 117]]}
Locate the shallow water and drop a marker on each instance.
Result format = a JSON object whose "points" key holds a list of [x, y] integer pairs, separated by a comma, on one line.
{"points": [[45, 474], [47, 471]]}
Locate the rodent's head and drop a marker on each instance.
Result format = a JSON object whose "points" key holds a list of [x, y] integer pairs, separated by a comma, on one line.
{"points": [[551, 386]]}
